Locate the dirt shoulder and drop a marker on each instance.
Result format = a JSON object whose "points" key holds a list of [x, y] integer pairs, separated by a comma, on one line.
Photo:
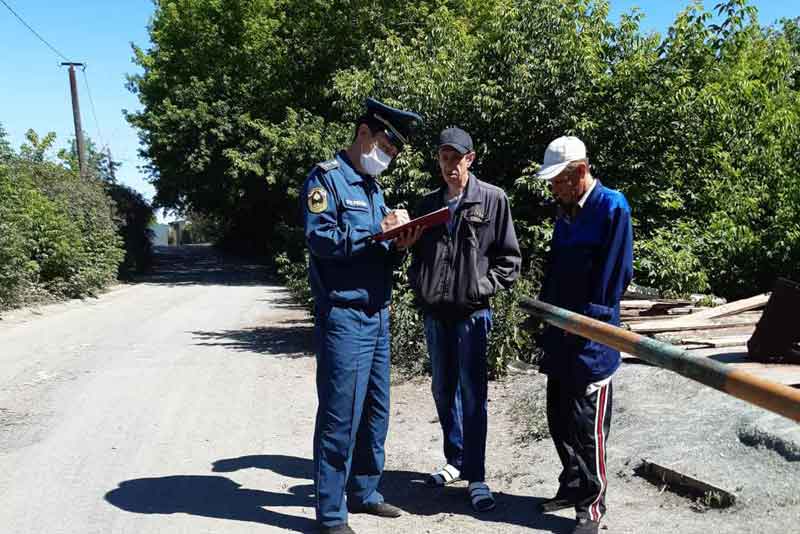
{"points": [[658, 416]]}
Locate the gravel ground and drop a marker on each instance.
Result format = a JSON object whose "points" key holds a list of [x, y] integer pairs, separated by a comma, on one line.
{"points": [[657, 415], [185, 404]]}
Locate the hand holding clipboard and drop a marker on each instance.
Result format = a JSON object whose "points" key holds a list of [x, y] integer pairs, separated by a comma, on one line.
{"points": [[434, 218]]}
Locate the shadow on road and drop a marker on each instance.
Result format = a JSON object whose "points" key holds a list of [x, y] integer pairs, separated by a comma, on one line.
{"points": [[212, 496], [293, 341], [406, 490], [203, 265], [222, 498], [287, 466]]}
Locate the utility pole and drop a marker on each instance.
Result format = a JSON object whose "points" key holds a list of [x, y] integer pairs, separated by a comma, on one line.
{"points": [[111, 165], [76, 116]]}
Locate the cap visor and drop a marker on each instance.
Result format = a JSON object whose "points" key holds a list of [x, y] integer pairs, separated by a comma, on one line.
{"points": [[455, 146], [548, 173]]}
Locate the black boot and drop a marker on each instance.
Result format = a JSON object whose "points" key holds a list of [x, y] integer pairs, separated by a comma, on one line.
{"points": [[380, 509], [556, 503], [338, 529], [586, 526]]}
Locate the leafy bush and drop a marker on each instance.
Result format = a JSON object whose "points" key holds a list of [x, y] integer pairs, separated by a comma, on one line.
{"points": [[133, 216], [95, 249], [512, 336], [408, 348], [132, 213], [295, 276], [58, 236], [18, 266], [669, 261]]}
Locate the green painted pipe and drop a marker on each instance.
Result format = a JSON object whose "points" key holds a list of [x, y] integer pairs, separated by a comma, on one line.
{"points": [[775, 397]]}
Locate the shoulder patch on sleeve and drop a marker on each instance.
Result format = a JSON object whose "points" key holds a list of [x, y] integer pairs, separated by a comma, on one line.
{"points": [[328, 165], [317, 200]]}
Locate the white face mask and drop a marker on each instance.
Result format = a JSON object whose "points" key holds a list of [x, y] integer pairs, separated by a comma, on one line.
{"points": [[375, 162]]}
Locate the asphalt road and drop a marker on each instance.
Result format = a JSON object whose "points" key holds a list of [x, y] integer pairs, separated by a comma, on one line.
{"points": [[155, 407]]}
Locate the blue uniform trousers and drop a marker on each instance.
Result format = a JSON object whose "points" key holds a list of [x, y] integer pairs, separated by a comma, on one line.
{"points": [[460, 388], [353, 412]]}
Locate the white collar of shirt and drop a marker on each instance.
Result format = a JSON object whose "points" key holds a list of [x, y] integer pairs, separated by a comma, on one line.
{"points": [[588, 192]]}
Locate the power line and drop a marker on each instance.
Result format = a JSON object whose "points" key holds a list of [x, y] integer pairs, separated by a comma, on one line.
{"points": [[42, 39], [91, 105]]}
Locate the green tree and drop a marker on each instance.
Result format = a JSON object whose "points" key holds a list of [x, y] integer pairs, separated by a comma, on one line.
{"points": [[236, 93], [699, 127], [6, 152]]}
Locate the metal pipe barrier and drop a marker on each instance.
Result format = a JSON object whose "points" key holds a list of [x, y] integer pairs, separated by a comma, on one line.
{"points": [[778, 398]]}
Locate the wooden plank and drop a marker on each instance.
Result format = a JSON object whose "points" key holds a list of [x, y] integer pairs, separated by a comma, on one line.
{"points": [[683, 310], [684, 485], [680, 322], [716, 342], [675, 325], [630, 313], [647, 304], [675, 337], [700, 320], [736, 357], [641, 318], [636, 304], [654, 314], [731, 308]]}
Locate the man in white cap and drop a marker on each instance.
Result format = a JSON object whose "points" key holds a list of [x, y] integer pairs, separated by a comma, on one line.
{"points": [[590, 266]]}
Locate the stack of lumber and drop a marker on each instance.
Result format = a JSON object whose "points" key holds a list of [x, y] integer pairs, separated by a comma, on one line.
{"points": [[719, 332], [658, 316]]}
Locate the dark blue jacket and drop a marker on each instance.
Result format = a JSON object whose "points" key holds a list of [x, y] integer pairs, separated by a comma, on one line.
{"points": [[341, 209], [590, 266], [456, 273]]}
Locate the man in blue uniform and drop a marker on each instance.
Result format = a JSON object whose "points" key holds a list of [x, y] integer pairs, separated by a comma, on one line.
{"points": [[589, 268], [351, 279]]}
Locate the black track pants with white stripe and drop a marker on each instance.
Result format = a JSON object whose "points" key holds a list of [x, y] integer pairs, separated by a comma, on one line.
{"points": [[579, 425]]}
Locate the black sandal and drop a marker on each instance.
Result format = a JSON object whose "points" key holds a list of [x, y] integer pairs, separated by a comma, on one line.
{"points": [[481, 497]]}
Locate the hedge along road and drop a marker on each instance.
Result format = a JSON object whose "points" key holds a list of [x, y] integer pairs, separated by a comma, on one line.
{"points": [[185, 403]]}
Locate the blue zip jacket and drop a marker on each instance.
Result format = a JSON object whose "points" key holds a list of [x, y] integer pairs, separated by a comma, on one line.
{"points": [[590, 266], [341, 209]]}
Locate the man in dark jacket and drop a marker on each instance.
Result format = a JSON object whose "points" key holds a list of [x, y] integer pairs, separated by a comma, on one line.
{"points": [[589, 269], [455, 269]]}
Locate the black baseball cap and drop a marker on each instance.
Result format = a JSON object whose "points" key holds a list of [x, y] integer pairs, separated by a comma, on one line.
{"points": [[457, 139]]}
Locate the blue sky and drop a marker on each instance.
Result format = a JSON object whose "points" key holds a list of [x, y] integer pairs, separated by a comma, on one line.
{"points": [[659, 14], [34, 91]]}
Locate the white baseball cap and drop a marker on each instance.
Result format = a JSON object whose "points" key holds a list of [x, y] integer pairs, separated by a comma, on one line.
{"points": [[559, 154]]}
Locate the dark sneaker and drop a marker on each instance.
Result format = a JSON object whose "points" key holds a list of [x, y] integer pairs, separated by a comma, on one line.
{"points": [[380, 509], [338, 529], [585, 526], [555, 504]]}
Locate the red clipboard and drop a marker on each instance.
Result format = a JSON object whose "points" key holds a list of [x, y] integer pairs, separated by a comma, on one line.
{"points": [[433, 218]]}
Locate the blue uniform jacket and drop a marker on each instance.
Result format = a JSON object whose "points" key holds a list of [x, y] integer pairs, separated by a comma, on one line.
{"points": [[590, 266], [341, 209]]}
